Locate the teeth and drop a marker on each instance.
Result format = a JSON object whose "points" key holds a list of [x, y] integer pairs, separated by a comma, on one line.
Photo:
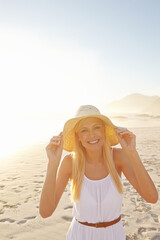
{"points": [[94, 142]]}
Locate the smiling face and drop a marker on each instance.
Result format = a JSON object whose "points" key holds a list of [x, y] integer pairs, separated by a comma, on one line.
{"points": [[91, 133]]}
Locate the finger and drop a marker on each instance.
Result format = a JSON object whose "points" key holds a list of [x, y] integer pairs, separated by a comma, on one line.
{"points": [[56, 144], [121, 129], [55, 138], [126, 134], [123, 132], [55, 141]]}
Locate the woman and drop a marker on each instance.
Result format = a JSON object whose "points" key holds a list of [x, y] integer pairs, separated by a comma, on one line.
{"points": [[94, 168]]}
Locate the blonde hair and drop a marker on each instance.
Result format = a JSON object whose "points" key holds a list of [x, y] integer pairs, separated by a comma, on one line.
{"points": [[78, 166]]}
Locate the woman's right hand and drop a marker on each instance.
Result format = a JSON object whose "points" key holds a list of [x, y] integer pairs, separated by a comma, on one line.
{"points": [[54, 149]]}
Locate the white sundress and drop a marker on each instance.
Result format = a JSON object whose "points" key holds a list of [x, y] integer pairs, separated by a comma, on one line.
{"points": [[99, 202]]}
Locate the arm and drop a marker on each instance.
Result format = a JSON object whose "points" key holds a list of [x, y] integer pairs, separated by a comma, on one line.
{"points": [[47, 200], [56, 179], [54, 186], [133, 169]]}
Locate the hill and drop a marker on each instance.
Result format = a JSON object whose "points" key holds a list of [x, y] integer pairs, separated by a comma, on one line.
{"points": [[136, 103], [154, 108]]}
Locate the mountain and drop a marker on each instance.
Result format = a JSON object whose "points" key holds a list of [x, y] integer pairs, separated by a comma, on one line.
{"points": [[154, 108], [135, 103]]}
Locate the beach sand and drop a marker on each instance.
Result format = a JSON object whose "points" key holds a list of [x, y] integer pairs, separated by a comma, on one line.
{"points": [[22, 179]]}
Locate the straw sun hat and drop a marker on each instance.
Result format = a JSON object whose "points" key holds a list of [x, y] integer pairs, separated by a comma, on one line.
{"points": [[85, 112]]}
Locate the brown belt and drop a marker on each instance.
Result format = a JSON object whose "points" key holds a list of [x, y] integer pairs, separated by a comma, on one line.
{"points": [[101, 224]]}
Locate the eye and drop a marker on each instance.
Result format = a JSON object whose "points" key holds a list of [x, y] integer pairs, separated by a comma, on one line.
{"points": [[83, 130], [97, 127]]}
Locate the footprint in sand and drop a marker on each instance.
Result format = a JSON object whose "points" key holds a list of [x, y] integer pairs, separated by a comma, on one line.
{"points": [[156, 237], [37, 190], [39, 175], [131, 237], [3, 202], [7, 220], [124, 215], [12, 178], [17, 191], [139, 220], [155, 217], [125, 223], [22, 222], [133, 199], [27, 199], [67, 218], [10, 206], [151, 229], [26, 219], [126, 184], [141, 230], [1, 211], [38, 181], [69, 206]]}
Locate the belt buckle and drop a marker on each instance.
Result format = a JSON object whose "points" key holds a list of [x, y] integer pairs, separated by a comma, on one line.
{"points": [[96, 225]]}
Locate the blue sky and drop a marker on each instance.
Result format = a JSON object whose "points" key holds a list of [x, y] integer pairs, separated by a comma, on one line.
{"points": [[57, 55]]}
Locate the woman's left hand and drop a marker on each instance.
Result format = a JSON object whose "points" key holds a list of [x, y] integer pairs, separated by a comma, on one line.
{"points": [[126, 138]]}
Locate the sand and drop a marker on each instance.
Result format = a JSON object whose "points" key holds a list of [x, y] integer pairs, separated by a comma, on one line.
{"points": [[22, 179]]}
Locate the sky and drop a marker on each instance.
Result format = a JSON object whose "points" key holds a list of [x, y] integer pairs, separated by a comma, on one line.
{"points": [[58, 55]]}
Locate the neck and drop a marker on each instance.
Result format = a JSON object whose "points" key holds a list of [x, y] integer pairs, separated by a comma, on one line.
{"points": [[94, 157]]}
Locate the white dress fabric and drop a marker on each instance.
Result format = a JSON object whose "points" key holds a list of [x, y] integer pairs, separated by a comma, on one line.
{"points": [[99, 202]]}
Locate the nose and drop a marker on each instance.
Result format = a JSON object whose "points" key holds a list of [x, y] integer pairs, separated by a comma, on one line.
{"points": [[91, 133]]}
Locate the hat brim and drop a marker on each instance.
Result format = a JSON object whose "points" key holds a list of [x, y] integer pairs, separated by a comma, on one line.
{"points": [[68, 131]]}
